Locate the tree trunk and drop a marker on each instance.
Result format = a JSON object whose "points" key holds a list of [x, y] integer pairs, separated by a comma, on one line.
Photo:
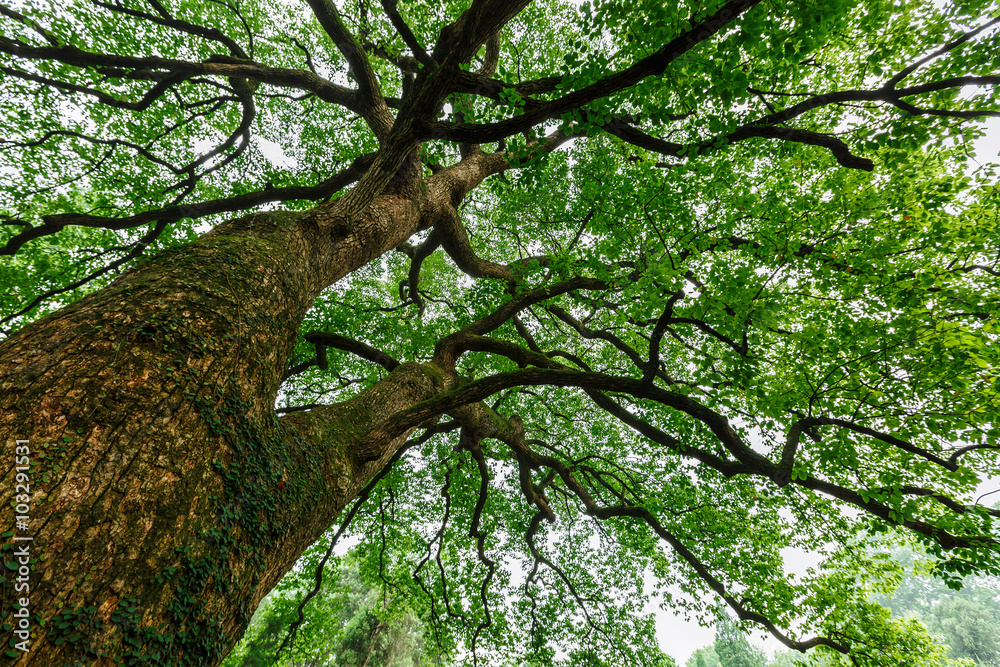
{"points": [[166, 498]]}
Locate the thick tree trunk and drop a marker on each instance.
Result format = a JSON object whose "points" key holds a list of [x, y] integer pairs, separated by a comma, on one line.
{"points": [[166, 498]]}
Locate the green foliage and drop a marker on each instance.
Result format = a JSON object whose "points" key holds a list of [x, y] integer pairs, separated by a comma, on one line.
{"points": [[969, 629], [704, 657], [824, 282], [967, 621], [733, 649], [349, 622], [938, 626]]}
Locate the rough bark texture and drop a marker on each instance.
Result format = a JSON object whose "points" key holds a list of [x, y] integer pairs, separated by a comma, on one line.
{"points": [[167, 498]]}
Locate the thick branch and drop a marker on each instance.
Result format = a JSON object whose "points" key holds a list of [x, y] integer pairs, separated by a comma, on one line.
{"points": [[455, 241], [353, 346], [765, 126], [658, 330], [419, 254], [477, 83], [841, 152], [54, 223], [372, 106], [165, 19], [718, 424], [460, 41], [123, 66], [392, 11], [649, 66]]}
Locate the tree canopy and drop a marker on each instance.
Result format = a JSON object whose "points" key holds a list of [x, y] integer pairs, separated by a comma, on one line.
{"points": [[699, 283]]}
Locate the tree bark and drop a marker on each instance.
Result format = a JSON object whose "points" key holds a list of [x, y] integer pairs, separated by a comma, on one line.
{"points": [[166, 498]]}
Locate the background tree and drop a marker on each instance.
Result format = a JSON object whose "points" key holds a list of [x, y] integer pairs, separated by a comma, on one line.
{"points": [[349, 623], [704, 657], [551, 296], [969, 629], [732, 647], [966, 620]]}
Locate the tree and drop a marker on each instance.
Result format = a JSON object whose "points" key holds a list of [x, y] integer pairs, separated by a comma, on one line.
{"points": [[967, 620], [704, 657], [969, 629], [350, 623], [733, 648], [550, 295]]}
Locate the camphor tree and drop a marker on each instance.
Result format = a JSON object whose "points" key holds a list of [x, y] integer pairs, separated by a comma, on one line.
{"points": [[575, 298]]}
